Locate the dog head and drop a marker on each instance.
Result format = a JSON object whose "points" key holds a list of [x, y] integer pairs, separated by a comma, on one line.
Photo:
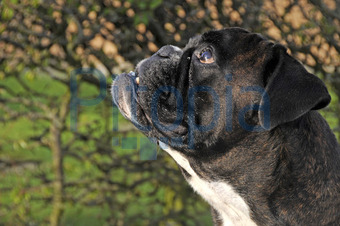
{"points": [[223, 85]]}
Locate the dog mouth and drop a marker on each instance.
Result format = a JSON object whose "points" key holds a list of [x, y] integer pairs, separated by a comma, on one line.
{"points": [[140, 98], [126, 90]]}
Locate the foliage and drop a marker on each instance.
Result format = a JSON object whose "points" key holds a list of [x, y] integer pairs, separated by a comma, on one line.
{"points": [[53, 175]]}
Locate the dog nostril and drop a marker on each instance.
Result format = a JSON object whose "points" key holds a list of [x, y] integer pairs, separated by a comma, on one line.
{"points": [[163, 56]]}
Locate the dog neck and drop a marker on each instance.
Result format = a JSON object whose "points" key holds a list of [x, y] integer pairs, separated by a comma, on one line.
{"points": [[221, 195]]}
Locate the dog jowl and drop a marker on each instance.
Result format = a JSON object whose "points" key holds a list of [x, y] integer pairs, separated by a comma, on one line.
{"points": [[238, 115]]}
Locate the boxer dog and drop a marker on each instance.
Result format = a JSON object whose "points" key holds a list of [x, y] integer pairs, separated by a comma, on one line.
{"points": [[238, 115]]}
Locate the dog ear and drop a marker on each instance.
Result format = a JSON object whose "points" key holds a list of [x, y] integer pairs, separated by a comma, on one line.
{"points": [[290, 91]]}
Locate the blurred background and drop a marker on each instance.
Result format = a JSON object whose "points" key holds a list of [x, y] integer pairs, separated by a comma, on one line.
{"points": [[95, 175]]}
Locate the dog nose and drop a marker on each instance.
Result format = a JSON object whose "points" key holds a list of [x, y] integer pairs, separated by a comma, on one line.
{"points": [[168, 51]]}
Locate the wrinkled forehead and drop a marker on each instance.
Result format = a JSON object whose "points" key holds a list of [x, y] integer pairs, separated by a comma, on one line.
{"points": [[224, 36], [234, 38], [219, 37]]}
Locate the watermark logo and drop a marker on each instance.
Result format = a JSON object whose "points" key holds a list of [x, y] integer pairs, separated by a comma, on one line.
{"points": [[147, 146], [76, 101]]}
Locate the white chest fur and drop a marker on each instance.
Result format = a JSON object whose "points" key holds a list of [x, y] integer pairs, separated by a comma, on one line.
{"points": [[220, 195]]}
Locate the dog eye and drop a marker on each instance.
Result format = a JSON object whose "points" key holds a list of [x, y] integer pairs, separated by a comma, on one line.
{"points": [[206, 57]]}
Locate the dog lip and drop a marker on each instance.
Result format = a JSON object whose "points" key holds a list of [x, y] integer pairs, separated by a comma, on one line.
{"points": [[134, 76]]}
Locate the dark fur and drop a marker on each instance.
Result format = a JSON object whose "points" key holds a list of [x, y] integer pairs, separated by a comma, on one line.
{"points": [[289, 173]]}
